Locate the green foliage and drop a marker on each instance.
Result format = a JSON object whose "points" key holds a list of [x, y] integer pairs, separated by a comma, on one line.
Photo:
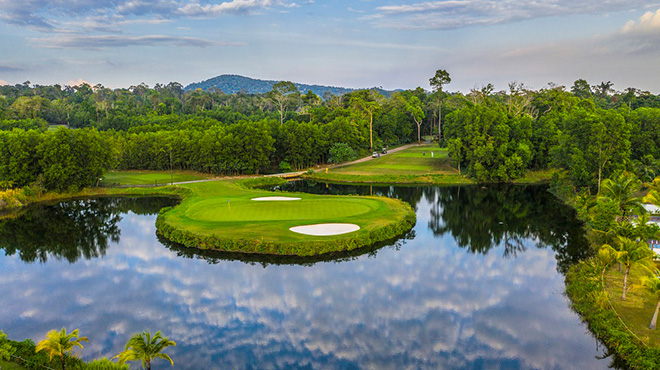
{"points": [[285, 166], [145, 348], [341, 152], [6, 350]]}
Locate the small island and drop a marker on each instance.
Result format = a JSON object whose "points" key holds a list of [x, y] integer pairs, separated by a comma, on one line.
{"points": [[228, 216]]}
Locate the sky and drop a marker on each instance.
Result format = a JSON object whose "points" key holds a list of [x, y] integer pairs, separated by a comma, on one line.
{"points": [[393, 44]]}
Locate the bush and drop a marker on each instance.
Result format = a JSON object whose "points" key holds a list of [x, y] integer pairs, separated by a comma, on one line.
{"points": [[341, 152], [285, 166]]}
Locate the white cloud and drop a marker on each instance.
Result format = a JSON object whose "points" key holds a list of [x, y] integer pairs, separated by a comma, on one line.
{"points": [[230, 7], [465, 13], [3, 83], [106, 41], [647, 23]]}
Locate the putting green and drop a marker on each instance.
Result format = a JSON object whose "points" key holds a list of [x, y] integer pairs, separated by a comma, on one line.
{"points": [[219, 210], [222, 215]]}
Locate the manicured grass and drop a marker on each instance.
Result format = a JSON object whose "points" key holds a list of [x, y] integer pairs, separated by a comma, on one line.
{"points": [[5, 365], [114, 178], [416, 160], [637, 310], [222, 213]]}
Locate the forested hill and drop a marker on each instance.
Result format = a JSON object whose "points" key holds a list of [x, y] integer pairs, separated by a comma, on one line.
{"points": [[230, 84]]}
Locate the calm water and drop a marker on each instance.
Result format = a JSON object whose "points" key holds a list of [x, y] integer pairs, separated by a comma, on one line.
{"points": [[476, 285]]}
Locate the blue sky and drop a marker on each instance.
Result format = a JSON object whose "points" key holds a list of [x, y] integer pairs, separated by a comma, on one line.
{"points": [[392, 43]]}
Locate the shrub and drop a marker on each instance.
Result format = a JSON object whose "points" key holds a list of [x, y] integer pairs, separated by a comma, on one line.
{"points": [[341, 152], [285, 166]]}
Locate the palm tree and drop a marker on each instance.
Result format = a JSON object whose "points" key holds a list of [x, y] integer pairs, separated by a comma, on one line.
{"points": [[143, 347], [652, 285], [629, 252], [621, 190], [59, 344]]}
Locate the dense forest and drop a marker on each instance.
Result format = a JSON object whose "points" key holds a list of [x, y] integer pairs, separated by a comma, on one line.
{"points": [[492, 136]]}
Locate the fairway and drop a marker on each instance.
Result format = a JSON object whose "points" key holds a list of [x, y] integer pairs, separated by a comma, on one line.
{"points": [[223, 215], [417, 160], [124, 178]]}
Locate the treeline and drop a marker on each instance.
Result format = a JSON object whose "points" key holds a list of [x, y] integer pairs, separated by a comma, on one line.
{"points": [[590, 131], [498, 137]]}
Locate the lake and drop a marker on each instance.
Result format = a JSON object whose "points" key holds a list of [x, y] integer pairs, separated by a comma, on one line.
{"points": [[477, 284]]}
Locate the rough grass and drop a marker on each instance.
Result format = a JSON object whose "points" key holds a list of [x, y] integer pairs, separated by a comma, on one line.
{"points": [[116, 178], [220, 212], [637, 310]]}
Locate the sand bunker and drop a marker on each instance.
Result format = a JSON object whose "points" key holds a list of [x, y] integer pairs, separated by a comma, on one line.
{"points": [[325, 229], [275, 198]]}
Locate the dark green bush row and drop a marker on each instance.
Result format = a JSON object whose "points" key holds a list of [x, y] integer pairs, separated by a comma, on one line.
{"points": [[228, 244], [585, 289]]}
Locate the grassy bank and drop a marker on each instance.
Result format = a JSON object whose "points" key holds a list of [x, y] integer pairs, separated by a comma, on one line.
{"points": [[589, 297], [222, 216], [637, 310]]}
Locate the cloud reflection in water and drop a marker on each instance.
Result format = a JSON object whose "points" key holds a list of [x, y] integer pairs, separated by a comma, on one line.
{"points": [[430, 304]]}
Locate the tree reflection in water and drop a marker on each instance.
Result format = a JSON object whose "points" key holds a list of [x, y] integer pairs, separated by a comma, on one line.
{"points": [[71, 230], [482, 217]]}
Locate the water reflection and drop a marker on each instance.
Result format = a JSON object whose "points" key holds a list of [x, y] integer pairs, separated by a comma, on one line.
{"points": [[480, 218], [71, 230], [426, 304]]}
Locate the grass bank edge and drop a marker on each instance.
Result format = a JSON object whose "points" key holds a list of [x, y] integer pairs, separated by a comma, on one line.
{"points": [[533, 177], [584, 287], [402, 221]]}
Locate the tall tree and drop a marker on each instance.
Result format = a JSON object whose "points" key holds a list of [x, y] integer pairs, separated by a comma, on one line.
{"points": [[284, 93], [367, 101], [652, 285], [143, 347], [440, 79], [60, 344], [414, 108]]}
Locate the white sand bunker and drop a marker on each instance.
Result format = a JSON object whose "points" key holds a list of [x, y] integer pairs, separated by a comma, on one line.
{"points": [[275, 198], [325, 229]]}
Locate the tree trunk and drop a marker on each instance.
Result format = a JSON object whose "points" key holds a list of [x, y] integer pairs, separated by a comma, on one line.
{"points": [[64, 362], [625, 283], [439, 118], [600, 172], [419, 136], [655, 316], [371, 131], [459, 168], [148, 365]]}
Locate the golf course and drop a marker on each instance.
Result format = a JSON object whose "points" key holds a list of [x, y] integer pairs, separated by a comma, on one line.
{"points": [[229, 216]]}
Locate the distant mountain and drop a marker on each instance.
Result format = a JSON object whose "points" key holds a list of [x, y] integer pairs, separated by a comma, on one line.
{"points": [[231, 84]]}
